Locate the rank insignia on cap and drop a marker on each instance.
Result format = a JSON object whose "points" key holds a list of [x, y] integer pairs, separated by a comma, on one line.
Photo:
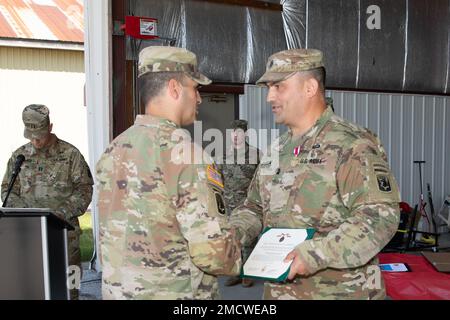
{"points": [[383, 183], [214, 176]]}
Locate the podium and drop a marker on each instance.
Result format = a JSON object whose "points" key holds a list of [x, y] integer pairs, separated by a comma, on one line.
{"points": [[33, 255]]}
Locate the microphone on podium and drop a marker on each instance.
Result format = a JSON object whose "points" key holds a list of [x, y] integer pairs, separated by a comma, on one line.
{"points": [[17, 166]]}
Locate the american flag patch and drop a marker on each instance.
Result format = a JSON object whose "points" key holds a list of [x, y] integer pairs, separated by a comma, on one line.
{"points": [[214, 176]]}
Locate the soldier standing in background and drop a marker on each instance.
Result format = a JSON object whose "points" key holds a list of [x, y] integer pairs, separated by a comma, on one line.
{"points": [[329, 103], [163, 229], [54, 175], [332, 176], [239, 166]]}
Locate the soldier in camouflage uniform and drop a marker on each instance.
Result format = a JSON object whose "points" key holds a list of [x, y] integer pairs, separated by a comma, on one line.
{"points": [[163, 227], [238, 167], [54, 175], [331, 175], [329, 103]]}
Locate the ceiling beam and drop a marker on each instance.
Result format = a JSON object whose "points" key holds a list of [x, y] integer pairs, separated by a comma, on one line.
{"points": [[223, 88]]}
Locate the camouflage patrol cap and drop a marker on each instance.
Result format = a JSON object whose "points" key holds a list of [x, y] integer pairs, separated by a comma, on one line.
{"points": [[170, 59], [36, 120], [239, 124], [284, 64]]}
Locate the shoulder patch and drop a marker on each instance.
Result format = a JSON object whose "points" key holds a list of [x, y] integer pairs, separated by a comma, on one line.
{"points": [[384, 184], [381, 172], [219, 201], [214, 176]]}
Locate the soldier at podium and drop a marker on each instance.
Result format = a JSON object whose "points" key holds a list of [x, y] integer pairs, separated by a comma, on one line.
{"points": [[54, 175]]}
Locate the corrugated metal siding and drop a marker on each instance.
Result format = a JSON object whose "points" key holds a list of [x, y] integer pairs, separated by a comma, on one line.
{"points": [[51, 77], [411, 127], [254, 108], [12, 58]]}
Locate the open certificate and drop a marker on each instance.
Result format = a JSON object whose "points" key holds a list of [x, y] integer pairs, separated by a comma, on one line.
{"points": [[266, 260]]}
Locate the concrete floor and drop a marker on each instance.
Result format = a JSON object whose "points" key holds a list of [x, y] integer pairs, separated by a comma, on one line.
{"points": [[91, 283], [91, 288], [238, 292]]}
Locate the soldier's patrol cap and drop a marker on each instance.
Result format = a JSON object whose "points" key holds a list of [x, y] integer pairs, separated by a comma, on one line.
{"points": [[36, 120], [170, 59], [239, 124], [284, 64]]}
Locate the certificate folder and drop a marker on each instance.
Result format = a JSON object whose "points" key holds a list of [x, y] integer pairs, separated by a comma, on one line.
{"points": [[266, 260]]}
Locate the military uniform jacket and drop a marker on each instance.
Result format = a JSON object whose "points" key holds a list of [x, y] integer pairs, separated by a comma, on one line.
{"points": [[163, 231], [56, 177], [334, 179], [238, 168]]}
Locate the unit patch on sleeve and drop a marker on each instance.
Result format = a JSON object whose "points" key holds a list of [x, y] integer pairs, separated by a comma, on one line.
{"points": [[219, 201], [384, 184]]}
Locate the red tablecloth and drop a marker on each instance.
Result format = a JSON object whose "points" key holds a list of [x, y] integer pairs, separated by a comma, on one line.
{"points": [[424, 282]]}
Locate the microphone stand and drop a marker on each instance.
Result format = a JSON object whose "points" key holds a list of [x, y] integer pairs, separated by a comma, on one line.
{"points": [[10, 186]]}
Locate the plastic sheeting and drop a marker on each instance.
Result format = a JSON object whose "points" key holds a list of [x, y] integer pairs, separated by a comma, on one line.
{"points": [[171, 22], [428, 40], [380, 68], [232, 42], [218, 34], [410, 52], [422, 283], [332, 28], [295, 23]]}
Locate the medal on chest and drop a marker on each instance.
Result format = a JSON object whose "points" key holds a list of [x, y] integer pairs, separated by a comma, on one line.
{"points": [[297, 150]]}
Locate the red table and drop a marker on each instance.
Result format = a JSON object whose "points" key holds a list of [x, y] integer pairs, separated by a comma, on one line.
{"points": [[424, 282]]}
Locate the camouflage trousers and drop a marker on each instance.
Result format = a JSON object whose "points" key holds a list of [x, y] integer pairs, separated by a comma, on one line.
{"points": [[74, 253], [247, 250]]}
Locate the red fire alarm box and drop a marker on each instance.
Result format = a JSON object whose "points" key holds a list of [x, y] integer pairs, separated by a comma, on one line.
{"points": [[141, 27]]}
